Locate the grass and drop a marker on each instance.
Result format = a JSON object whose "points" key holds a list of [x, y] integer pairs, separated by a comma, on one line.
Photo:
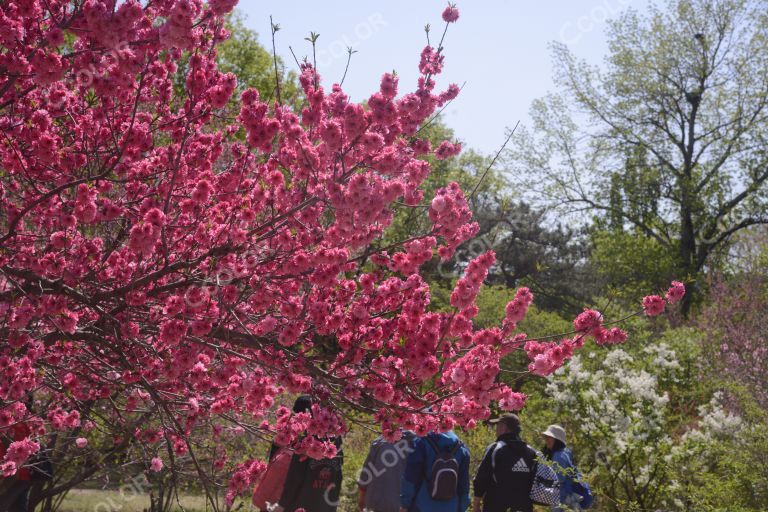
{"points": [[95, 500]]}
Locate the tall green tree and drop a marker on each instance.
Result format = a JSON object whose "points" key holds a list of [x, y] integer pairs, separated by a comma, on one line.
{"points": [[253, 64], [669, 137], [549, 259]]}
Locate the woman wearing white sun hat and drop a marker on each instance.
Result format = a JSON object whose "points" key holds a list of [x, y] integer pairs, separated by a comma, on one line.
{"points": [[562, 459]]}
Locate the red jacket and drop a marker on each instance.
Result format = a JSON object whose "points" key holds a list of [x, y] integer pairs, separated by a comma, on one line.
{"points": [[20, 431]]}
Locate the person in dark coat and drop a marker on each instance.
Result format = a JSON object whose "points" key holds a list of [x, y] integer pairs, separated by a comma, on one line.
{"points": [[508, 471], [312, 484]]}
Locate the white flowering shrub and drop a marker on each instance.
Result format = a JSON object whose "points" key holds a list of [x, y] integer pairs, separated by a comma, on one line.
{"points": [[648, 431], [619, 413]]}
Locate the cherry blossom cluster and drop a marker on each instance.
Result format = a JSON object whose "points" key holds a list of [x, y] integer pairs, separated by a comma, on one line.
{"points": [[654, 305], [546, 357], [467, 288], [16, 455], [517, 308]]}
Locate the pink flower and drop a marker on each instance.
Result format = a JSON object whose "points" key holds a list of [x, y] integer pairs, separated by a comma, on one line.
{"points": [[517, 308], [48, 67], [450, 93], [676, 292], [19, 451], [447, 150], [439, 204], [55, 36], [156, 465], [541, 365], [265, 326], [451, 14], [389, 85], [512, 401], [173, 331], [155, 216], [8, 468], [451, 219], [467, 288], [611, 336], [81, 442], [589, 321], [355, 121], [616, 335], [458, 375], [66, 321], [202, 191], [431, 61], [222, 6], [653, 305]]}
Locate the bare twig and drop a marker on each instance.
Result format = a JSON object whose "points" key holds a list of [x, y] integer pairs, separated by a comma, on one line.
{"points": [[477, 185], [350, 51], [275, 28]]}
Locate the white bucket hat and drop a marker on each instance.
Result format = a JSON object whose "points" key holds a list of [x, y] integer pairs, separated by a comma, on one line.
{"points": [[555, 431]]}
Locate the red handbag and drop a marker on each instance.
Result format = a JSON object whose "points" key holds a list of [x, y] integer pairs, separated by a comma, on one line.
{"points": [[271, 485]]}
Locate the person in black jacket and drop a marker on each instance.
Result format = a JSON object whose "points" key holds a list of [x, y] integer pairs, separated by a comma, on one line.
{"points": [[508, 471], [312, 484], [302, 404]]}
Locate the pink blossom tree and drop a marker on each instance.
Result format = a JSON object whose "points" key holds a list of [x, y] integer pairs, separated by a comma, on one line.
{"points": [[736, 333], [174, 261]]}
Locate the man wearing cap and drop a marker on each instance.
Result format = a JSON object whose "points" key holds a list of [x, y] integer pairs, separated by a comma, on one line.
{"points": [[509, 470]]}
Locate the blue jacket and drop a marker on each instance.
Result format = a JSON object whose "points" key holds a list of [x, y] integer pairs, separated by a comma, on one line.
{"points": [[414, 494], [566, 472]]}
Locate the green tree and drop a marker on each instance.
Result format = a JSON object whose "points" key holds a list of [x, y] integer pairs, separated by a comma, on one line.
{"points": [[631, 264], [669, 137], [254, 65], [551, 260], [243, 55]]}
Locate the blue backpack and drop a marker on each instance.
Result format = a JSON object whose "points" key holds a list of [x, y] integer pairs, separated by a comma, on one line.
{"points": [[581, 488]]}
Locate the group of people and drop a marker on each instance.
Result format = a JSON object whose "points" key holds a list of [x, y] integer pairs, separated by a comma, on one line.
{"points": [[414, 474], [430, 474]]}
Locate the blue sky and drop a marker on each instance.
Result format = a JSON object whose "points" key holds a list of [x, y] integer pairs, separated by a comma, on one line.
{"points": [[498, 47]]}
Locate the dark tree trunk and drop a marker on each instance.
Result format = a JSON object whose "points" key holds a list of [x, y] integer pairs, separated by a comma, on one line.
{"points": [[688, 258]]}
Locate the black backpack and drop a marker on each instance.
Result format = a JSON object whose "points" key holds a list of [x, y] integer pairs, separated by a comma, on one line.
{"points": [[443, 481]]}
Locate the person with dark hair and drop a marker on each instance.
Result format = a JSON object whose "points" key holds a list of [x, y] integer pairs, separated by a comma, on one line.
{"points": [[556, 451], [272, 484], [313, 485], [510, 476], [302, 404]]}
